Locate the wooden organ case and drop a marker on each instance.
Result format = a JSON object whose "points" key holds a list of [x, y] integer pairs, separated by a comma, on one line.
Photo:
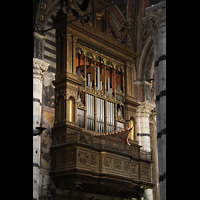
{"points": [[95, 104]]}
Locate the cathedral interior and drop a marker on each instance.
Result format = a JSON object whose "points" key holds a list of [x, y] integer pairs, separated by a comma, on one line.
{"points": [[99, 99]]}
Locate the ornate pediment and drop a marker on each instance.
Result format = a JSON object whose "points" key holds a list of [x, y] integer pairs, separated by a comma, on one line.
{"points": [[121, 135]]}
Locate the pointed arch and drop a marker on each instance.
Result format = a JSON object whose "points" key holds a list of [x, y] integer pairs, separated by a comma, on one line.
{"points": [[144, 54]]}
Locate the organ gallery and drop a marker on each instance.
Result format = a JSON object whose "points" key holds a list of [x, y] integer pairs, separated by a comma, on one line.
{"points": [[103, 128]]}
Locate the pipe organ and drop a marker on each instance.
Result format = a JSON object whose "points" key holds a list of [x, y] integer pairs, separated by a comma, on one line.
{"points": [[104, 88], [100, 91], [94, 94]]}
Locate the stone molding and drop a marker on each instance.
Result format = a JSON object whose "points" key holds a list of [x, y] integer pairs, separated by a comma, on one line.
{"points": [[39, 36], [39, 67], [155, 16]]}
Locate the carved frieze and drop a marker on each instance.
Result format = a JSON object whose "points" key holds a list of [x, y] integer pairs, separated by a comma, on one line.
{"points": [[126, 166], [59, 138], [66, 157], [133, 168], [93, 160], [107, 162], [145, 172], [83, 157], [117, 164]]}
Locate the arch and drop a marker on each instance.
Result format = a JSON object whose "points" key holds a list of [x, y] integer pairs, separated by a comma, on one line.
{"points": [[71, 109], [146, 72], [145, 51]]}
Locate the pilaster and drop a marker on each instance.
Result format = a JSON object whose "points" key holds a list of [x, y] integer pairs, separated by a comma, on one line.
{"points": [[39, 68], [74, 53], [39, 40], [69, 53]]}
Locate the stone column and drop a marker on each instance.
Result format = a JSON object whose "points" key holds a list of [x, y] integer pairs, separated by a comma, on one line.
{"points": [[39, 67], [156, 20], [142, 124], [143, 133], [137, 126]]}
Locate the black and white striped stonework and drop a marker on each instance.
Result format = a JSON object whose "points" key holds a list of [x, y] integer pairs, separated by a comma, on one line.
{"points": [[160, 85], [50, 46]]}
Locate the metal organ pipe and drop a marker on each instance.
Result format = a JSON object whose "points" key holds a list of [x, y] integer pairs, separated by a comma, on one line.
{"points": [[108, 81], [88, 83], [100, 115], [110, 116], [92, 112], [98, 78], [103, 116]]}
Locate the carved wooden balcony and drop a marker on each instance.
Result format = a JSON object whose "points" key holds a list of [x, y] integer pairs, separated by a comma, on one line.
{"points": [[101, 163]]}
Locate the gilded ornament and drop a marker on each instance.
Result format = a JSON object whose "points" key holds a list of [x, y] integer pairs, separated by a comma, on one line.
{"points": [[43, 6], [41, 17]]}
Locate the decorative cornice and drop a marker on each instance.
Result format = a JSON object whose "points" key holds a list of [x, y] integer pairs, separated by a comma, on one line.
{"points": [[155, 16]]}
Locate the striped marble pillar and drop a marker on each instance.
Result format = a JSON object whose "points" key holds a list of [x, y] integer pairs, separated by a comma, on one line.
{"points": [[143, 133], [39, 67], [156, 20]]}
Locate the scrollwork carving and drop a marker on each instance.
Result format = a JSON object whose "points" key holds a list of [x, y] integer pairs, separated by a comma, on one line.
{"points": [[107, 162], [126, 166], [145, 172], [65, 157], [94, 160], [118, 164], [83, 157]]}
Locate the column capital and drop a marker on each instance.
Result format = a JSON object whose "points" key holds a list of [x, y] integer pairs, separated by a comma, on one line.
{"points": [[39, 67], [155, 16], [144, 109]]}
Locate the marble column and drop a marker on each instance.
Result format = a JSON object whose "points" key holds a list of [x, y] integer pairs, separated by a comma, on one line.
{"points": [[142, 124], [143, 133], [156, 19], [39, 67]]}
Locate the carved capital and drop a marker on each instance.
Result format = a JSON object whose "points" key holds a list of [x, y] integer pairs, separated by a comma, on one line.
{"points": [[39, 67], [155, 16], [144, 109]]}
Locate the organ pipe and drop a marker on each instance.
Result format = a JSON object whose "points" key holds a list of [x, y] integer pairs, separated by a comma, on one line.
{"points": [[90, 112], [110, 116]]}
